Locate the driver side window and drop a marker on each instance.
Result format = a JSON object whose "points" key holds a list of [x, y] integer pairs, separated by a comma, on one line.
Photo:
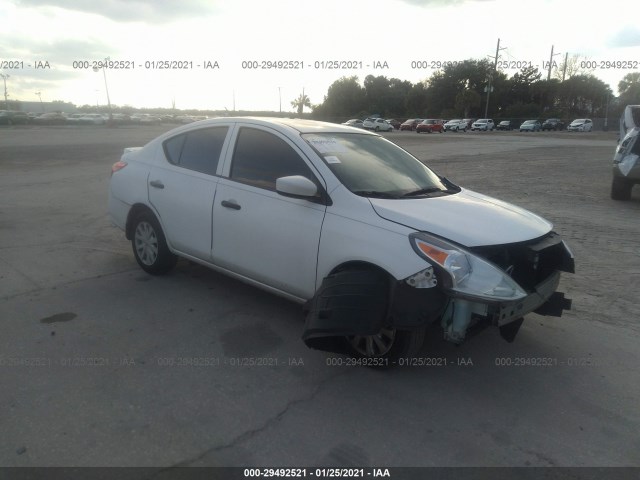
{"points": [[260, 158]]}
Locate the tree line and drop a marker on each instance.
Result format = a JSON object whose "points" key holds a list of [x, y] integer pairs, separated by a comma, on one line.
{"points": [[460, 91]]}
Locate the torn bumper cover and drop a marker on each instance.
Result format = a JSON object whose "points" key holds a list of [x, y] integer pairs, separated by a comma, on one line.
{"points": [[362, 302]]}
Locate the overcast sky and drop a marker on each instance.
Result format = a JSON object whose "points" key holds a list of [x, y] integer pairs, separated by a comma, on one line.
{"points": [[230, 32]]}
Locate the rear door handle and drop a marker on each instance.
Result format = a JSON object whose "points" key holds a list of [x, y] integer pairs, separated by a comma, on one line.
{"points": [[230, 204], [156, 184]]}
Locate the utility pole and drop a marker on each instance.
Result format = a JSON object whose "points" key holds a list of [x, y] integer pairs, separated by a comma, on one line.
{"points": [[489, 87], [106, 88], [550, 63], [6, 92]]}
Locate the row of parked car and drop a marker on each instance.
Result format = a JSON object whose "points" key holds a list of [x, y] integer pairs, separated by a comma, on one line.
{"points": [[11, 117], [431, 125]]}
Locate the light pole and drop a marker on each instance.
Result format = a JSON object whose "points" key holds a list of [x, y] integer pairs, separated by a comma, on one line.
{"points": [[280, 98], [6, 93], [106, 88], [40, 97]]}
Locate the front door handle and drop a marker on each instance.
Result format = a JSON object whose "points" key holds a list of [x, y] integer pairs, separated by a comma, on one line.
{"points": [[156, 184], [230, 204]]}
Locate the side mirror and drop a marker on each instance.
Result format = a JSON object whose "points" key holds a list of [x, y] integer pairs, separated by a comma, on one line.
{"points": [[296, 186]]}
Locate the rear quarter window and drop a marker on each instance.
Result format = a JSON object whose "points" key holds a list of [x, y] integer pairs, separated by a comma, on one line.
{"points": [[197, 150]]}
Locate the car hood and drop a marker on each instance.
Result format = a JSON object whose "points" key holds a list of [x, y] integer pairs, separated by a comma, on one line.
{"points": [[468, 218]]}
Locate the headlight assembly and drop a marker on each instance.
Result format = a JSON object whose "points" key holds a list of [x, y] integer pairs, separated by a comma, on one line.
{"points": [[466, 273]]}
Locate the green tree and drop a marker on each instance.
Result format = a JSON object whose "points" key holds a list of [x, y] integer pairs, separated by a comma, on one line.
{"points": [[465, 101], [584, 95], [444, 85], [416, 101], [629, 89], [343, 100]]}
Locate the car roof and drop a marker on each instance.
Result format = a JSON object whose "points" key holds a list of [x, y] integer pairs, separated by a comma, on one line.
{"points": [[291, 124]]}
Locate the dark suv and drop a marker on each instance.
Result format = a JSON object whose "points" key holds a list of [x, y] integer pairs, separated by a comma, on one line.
{"points": [[553, 124]]}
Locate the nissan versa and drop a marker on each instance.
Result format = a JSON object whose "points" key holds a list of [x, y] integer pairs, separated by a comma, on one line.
{"points": [[372, 242]]}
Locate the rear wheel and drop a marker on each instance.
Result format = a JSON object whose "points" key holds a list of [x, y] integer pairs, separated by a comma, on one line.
{"points": [[621, 188]]}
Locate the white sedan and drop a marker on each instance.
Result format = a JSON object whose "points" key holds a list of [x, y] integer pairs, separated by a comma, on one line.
{"points": [[377, 125], [373, 242], [580, 125]]}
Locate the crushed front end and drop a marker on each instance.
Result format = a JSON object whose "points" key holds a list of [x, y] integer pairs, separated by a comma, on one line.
{"points": [[494, 285]]}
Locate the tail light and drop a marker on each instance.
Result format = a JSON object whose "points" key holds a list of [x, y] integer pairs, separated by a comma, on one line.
{"points": [[118, 166]]}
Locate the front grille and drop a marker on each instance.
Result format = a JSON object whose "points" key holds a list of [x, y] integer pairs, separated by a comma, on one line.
{"points": [[528, 263]]}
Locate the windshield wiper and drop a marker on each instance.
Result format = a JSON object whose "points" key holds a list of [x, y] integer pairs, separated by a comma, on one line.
{"points": [[374, 193], [422, 191]]}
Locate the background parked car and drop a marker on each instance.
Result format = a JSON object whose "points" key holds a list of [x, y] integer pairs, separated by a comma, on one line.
{"points": [[430, 125], [52, 118], [91, 119], [626, 159], [377, 124], [74, 118], [506, 125], [580, 125], [485, 124], [354, 122], [553, 124], [530, 126], [395, 123], [12, 117], [410, 124], [456, 125]]}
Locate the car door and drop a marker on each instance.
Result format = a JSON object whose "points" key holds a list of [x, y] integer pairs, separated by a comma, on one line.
{"points": [[182, 187], [259, 233]]}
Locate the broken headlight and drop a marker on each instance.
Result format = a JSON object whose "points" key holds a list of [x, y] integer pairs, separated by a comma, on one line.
{"points": [[466, 273]]}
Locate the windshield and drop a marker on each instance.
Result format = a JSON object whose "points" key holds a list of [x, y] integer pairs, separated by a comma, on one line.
{"points": [[369, 165], [529, 122]]}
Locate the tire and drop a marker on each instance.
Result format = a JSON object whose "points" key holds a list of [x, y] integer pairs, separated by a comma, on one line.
{"points": [[621, 188], [377, 129], [150, 246], [389, 344]]}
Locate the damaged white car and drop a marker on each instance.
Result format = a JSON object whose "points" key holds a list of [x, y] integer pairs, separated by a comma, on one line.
{"points": [[626, 160], [372, 242]]}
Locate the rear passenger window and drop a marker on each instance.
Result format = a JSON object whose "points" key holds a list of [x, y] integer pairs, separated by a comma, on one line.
{"points": [[197, 150], [260, 158]]}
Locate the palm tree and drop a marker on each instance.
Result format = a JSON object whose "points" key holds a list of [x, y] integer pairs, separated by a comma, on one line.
{"points": [[301, 102]]}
